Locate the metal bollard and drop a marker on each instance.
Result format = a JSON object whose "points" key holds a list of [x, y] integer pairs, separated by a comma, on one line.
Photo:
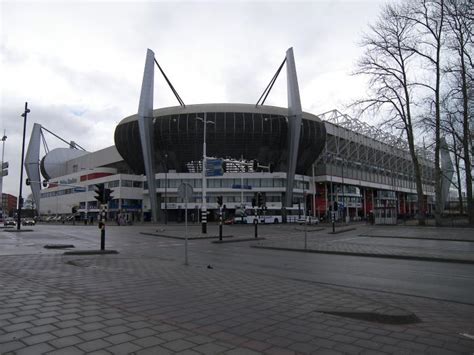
{"points": [[102, 235], [256, 228], [220, 228]]}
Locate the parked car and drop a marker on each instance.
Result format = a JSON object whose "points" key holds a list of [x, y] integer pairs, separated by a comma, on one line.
{"points": [[9, 222], [309, 220], [28, 222]]}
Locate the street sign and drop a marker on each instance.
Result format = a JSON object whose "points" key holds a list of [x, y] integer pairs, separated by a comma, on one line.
{"points": [[185, 191], [214, 167], [5, 165], [79, 189]]}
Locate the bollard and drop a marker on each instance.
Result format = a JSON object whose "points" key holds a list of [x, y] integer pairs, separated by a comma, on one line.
{"points": [[220, 228], [102, 239], [102, 235], [256, 228]]}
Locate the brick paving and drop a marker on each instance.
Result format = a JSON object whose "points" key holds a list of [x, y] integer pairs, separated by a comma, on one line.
{"points": [[362, 241], [124, 304]]}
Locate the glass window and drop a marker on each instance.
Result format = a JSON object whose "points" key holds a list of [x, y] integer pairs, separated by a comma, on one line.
{"points": [[174, 183], [114, 183], [215, 183], [127, 183], [137, 184], [278, 183], [266, 183], [114, 203], [254, 182], [229, 182]]}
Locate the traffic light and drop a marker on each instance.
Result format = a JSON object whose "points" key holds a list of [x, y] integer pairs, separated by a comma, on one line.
{"points": [[260, 201], [219, 200], [254, 202], [335, 205], [255, 165], [100, 191], [108, 195]]}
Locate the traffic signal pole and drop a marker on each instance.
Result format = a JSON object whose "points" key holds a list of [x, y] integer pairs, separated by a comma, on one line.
{"points": [[103, 197]]}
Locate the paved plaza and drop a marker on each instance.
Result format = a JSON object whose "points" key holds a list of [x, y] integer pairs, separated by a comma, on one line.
{"points": [[146, 301]]}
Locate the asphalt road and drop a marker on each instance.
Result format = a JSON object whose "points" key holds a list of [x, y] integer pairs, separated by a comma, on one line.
{"points": [[446, 281]]}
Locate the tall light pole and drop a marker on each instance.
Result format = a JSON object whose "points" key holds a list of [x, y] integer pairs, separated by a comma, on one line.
{"points": [[4, 138], [20, 198], [166, 188], [242, 182], [204, 185]]}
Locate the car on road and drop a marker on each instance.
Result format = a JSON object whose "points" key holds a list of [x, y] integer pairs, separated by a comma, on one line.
{"points": [[309, 220], [28, 222], [9, 222]]}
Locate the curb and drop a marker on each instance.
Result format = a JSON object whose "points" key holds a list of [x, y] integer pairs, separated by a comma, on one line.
{"points": [[371, 255], [417, 238], [236, 240], [18, 231], [90, 252], [343, 230], [182, 238]]}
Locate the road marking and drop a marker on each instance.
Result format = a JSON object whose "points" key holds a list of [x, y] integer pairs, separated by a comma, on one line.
{"points": [[469, 336], [340, 240]]}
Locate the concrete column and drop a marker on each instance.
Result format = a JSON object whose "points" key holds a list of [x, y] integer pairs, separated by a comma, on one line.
{"points": [[145, 125]]}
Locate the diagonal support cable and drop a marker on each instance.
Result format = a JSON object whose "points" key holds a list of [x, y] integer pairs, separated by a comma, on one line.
{"points": [[181, 102], [270, 85], [61, 139], [45, 145]]}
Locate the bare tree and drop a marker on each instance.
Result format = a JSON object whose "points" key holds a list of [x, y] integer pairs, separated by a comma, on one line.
{"points": [[428, 17], [387, 61], [451, 126], [460, 21]]}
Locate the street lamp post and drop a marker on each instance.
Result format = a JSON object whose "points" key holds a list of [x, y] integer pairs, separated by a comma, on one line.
{"points": [[4, 138], [166, 188], [204, 185], [20, 198]]}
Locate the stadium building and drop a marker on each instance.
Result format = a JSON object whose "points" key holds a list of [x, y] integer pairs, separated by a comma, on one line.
{"points": [[326, 165]]}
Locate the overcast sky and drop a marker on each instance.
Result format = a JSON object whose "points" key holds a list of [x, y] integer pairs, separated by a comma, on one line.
{"points": [[80, 64]]}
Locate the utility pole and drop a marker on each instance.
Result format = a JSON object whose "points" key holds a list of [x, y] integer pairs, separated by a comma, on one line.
{"points": [[20, 198]]}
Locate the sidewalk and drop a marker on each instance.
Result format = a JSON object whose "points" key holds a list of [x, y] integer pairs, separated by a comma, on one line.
{"points": [[358, 239], [123, 304], [365, 241]]}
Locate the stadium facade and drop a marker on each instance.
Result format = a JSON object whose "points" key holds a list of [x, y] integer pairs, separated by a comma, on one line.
{"points": [[328, 164]]}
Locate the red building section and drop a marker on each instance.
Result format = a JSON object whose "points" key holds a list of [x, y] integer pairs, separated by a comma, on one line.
{"points": [[93, 176]]}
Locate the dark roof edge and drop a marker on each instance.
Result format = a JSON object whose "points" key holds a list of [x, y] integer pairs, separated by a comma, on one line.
{"points": [[221, 107]]}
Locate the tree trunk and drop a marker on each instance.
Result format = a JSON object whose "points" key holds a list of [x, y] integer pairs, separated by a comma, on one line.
{"points": [[466, 142], [458, 175], [418, 182]]}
